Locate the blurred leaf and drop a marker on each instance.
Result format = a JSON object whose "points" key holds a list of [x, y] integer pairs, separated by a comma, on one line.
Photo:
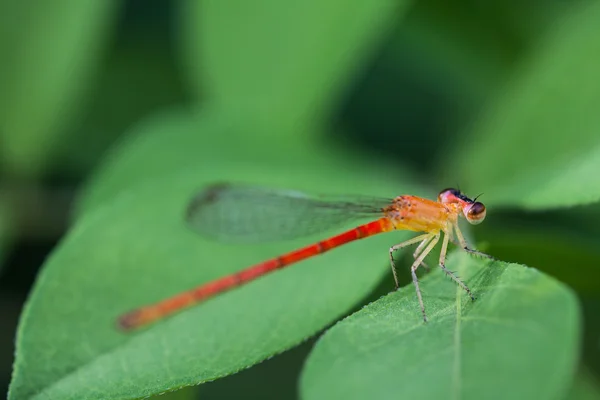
{"points": [[283, 63], [539, 145], [138, 78], [463, 55], [466, 351], [179, 139], [49, 54], [5, 230], [585, 387], [590, 305], [136, 249]]}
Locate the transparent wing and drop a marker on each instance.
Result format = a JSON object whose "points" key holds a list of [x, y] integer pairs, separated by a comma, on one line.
{"points": [[231, 212]]}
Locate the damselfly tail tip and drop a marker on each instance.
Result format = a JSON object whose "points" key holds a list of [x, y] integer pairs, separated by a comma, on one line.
{"points": [[132, 320]]}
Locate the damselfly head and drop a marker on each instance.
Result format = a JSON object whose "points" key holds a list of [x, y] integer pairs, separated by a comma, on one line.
{"points": [[448, 196], [473, 210]]}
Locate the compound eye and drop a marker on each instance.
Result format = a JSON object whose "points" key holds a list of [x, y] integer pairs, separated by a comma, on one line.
{"points": [[475, 213]]}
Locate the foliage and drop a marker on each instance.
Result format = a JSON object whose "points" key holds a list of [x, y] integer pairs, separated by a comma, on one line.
{"points": [[265, 91], [46, 76]]}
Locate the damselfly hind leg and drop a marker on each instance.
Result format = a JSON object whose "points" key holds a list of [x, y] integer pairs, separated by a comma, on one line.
{"points": [[428, 240], [413, 269], [421, 238], [418, 251]]}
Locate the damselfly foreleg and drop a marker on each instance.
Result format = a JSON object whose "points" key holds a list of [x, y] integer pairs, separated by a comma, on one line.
{"points": [[451, 274], [465, 246]]}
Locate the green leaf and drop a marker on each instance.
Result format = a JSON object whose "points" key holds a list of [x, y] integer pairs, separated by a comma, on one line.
{"points": [[282, 63], [538, 145], [49, 53], [518, 340], [136, 249]]}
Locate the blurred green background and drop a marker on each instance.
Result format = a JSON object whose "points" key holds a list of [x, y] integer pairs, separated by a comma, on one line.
{"points": [[87, 87]]}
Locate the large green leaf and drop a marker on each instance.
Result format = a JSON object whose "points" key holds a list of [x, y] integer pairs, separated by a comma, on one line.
{"points": [[49, 52], [285, 63], [136, 249], [518, 340], [538, 145]]}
